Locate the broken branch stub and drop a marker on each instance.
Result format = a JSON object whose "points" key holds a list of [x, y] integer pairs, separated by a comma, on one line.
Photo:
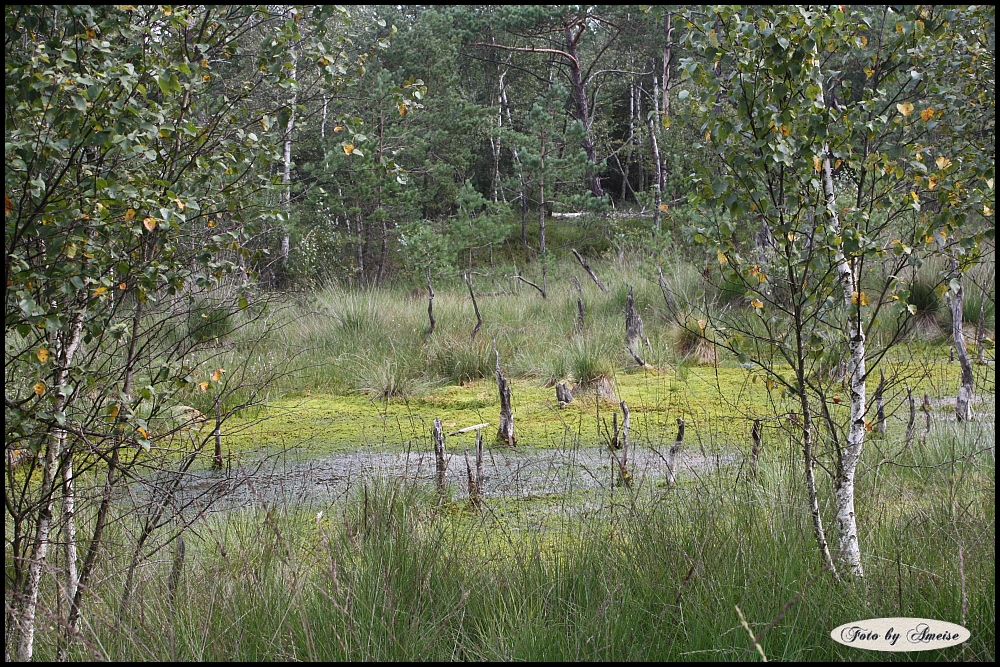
{"points": [[590, 271], [563, 393]]}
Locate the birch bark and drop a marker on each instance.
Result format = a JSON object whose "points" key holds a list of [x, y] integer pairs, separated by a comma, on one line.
{"points": [[53, 452]]}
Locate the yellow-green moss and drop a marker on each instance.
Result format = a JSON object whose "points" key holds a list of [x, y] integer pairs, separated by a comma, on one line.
{"points": [[716, 402]]}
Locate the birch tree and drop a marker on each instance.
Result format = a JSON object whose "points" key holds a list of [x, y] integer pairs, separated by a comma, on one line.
{"points": [[812, 118]]}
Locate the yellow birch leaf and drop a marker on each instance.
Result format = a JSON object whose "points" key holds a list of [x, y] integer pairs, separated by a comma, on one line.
{"points": [[100, 290], [143, 432], [122, 286], [203, 386], [784, 130], [39, 388], [338, 128], [757, 303], [217, 375], [762, 277], [708, 135], [817, 163], [113, 412], [663, 208], [906, 108], [915, 196], [942, 163], [42, 354], [348, 148], [130, 214], [927, 114], [932, 182], [987, 210], [869, 72], [868, 425], [864, 299], [402, 109], [149, 224], [721, 256]]}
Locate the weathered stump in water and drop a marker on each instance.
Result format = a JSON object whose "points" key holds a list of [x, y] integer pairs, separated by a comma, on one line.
{"points": [[674, 451], [477, 480], [626, 475], [505, 433], [441, 463]]}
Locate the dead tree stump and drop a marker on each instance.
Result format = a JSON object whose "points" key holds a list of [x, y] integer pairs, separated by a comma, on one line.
{"points": [[441, 464], [505, 433], [626, 475], [880, 426], [563, 394], [926, 409], [913, 415], [634, 333], [581, 311], [477, 480], [674, 451]]}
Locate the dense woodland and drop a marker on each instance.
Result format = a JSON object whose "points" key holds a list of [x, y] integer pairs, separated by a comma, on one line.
{"points": [[208, 209]]}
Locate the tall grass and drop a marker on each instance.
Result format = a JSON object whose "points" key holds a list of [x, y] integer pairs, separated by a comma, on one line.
{"points": [[374, 341], [395, 572]]}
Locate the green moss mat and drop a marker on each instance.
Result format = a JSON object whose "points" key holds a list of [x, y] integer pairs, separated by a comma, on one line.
{"points": [[717, 403]]}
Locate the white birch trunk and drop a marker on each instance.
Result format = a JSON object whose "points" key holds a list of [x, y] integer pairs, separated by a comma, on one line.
{"points": [[963, 402], [69, 528], [847, 527], [286, 177], [40, 547], [657, 163]]}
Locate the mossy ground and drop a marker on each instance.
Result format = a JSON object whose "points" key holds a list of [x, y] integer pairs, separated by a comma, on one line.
{"points": [[717, 402]]}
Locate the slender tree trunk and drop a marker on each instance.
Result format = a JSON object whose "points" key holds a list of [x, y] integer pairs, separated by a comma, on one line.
{"points": [[286, 177], [631, 134], [69, 528], [68, 344], [322, 125], [668, 48], [541, 221], [582, 106], [963, 402], [847, 528], [657, 164]]}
